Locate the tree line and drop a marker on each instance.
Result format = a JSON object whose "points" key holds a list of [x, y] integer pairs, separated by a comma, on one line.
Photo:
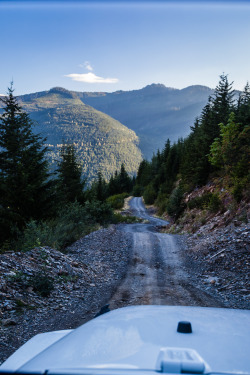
{"points": [[218, 145], [40, 207]]}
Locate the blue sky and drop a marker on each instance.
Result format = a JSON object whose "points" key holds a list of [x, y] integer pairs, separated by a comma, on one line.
{"points": [[110, 46]]}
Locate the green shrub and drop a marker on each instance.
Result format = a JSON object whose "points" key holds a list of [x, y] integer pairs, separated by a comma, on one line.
{"points": [[42, 284], [125, 219], [200, 202], [214, 204], [117, 201], [98, 212], [175, 204], [149, 194], [137, 191], [73, 222], [161, 203], [209, 201], [35, 235], [238, 191]]}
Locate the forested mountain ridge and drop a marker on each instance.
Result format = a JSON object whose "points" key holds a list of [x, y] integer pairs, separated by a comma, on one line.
{"points": [[208, 171], [102, 143], [155, 112]]}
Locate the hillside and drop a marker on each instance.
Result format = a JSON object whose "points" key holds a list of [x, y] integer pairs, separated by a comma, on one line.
{"points": [[101, 142], [155, 112]]}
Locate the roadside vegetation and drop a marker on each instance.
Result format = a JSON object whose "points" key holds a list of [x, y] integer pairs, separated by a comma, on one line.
{"points": [[40, 208], [215, 154]]}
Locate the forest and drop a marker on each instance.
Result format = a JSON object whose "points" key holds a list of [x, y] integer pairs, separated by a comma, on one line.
{"points": [[39, 208], [216, 148]]}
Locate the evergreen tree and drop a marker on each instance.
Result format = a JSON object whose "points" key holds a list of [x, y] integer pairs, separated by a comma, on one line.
{"points": [[223, 105], [125, 183], [113, 186], [164, 157], [69, 184], [144, 173], [100, 188], [243, 108], [197, 167], [25, 190], [230, 152]]}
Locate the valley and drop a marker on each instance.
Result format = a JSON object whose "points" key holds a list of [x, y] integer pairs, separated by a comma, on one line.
{"points": [[108, 129], [155, 112], [101, 142]]}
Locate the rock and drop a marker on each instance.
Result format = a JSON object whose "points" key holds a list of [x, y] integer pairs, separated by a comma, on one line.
{"points": [[9, 322], [99, 259]]}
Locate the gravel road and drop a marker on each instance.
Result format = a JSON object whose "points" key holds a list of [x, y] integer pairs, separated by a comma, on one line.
{"points": [[156, 273], [127, 264]]}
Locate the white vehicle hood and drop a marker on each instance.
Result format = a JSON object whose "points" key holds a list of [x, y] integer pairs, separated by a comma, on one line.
{"points": [[132, 337]]}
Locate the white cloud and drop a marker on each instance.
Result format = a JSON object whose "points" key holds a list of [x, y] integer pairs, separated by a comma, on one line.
{"points": [[88, 66], [91, 78]]}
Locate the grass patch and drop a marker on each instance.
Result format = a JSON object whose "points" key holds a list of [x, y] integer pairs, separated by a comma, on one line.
{"points": [[125, 219]]}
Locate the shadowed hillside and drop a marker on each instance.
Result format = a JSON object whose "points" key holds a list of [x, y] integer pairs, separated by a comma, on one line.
{"points": [[101, 142], [155, 112]]}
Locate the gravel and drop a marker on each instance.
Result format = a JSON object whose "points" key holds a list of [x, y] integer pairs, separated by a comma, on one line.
{"points": [[220, 262], [83, 279], [217, 262]]}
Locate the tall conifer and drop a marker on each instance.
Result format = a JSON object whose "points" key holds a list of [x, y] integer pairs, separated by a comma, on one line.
{"points": [[25, 190], [70, 184]]}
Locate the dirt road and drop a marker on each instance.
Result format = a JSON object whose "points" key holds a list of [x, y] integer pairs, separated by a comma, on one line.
{"points": [[156, 272]]}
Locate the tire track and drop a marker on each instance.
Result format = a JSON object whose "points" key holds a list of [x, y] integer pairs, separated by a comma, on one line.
{"points": [[156, 275]]}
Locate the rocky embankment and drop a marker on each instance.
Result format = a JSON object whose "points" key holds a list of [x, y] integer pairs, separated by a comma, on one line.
{"points": [[43, 289], [221, 258], [218, 244]]}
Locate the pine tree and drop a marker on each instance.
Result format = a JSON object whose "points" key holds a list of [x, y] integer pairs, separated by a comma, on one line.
{"points": [[113, 185], [197, 167], [230, 152], [100, 188], [222, 103], [25, 190], [243, 108], [70, 185], [125, 182]]}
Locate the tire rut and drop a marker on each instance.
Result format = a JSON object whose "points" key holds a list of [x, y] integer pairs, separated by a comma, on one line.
{"points": [[156, 273]]}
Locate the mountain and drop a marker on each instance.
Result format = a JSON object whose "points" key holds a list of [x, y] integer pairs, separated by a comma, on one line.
{"points": [[155, 112], [93, 121], [102, 143]]}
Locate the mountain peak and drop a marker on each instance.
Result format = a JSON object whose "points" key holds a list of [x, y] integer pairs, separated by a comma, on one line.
{"points": [[63, 92], [157, 88]]}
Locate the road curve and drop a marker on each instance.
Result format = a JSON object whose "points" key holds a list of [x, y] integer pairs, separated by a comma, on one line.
{"points": [[156, 274], [138, 209]]}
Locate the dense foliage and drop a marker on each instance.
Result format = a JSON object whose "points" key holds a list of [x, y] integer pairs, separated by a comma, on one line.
{"points": [[70, 184], [39, 207], [118, 184], [25, 191], [218, 145]]}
